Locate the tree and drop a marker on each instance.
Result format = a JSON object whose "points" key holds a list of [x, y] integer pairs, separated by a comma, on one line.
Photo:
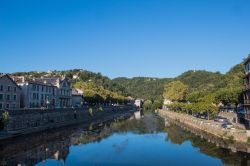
{"points": [[157, 105], [147, 105], [175, 91], [228, 96], [194, 97]]}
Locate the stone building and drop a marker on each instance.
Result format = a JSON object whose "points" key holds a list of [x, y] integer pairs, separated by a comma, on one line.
{"points": [[10, 93], [246, 92]]}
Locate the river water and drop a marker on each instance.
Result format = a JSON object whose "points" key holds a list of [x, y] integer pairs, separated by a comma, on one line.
{"points": [[144, 142]]}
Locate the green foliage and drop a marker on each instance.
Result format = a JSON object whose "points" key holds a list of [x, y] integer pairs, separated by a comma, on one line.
{"points": [[194, 97], [100, 109], [175, 91], [93, 93], [143, 87], [5, 116], [157, 105], [200, 107], [147, 105], [199, 83], [91, 112], [228, 96]]}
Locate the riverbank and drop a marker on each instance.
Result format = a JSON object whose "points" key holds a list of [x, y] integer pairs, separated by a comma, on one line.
{"points": [[21, 122], [235, 136]]}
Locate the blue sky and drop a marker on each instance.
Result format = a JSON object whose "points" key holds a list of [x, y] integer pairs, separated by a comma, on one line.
{"points": [[160, 38]]}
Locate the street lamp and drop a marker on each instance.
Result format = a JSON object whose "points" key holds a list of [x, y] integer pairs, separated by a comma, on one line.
{"points": [[47, 102]]}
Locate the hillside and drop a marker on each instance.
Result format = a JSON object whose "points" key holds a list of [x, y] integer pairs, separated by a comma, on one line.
{"points": [[143, 87], [152, 88]]}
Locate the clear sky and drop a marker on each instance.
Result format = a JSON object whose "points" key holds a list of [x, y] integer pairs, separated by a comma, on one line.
{"points": [[160, 38]]}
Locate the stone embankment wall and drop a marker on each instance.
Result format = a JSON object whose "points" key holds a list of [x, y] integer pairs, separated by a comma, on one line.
{"points": [[28, 121], [210, 127]]}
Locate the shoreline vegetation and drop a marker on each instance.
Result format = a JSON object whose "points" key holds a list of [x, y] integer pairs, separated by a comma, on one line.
{"points": [[237, 139]]}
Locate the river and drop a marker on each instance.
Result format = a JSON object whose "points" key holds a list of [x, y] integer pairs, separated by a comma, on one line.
{"points": [[144, 142]]}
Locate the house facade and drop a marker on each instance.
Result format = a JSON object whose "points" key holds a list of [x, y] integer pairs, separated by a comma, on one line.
{"points": [[77, 98], [246, 92], [37, 94], [138, 103], [10, 93], [45, 92]]}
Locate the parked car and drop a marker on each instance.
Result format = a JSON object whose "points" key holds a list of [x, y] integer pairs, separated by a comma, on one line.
{"points": [[220, 119], [227, 125]]}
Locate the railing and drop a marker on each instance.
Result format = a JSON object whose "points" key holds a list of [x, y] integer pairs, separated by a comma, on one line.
{"points": [[247, 101]]}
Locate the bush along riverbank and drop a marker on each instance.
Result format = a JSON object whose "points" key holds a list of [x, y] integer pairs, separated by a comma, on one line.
{"points": [[238, 137]]}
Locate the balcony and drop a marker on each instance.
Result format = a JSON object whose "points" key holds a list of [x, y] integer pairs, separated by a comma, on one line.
{"points": [[246, 87], [247, 101], [247, 116]]}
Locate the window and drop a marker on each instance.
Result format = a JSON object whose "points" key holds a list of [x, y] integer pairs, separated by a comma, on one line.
{"points": [[1, 87], [34, 96], [37, 88], [14, 106], [1, 106], [1, 96], [42, 88], [14, 97], [7, 97], [8, 88], [34, 87], [7, 106], [14, 89]]}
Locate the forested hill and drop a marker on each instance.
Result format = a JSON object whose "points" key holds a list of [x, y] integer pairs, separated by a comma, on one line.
{"points": [[152, 88], [143, 87]]}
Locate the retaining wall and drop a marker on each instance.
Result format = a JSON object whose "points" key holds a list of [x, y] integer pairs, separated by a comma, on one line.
{"points": [[27, 121]]}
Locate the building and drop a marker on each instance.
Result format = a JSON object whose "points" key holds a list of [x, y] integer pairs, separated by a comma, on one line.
{"points": [[37, 93], [45, 92], [166, 103], [10, 93], [246, 92], [77, 98], [138, 103], [64, 94]]}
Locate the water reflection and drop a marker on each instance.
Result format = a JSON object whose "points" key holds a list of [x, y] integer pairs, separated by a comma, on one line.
{"points": [[131, 142]]}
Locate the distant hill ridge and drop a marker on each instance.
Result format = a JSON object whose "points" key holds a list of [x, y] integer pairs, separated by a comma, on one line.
{"points": [[148, 87]]}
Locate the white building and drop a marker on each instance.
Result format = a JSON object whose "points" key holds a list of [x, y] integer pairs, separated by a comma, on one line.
{"points": [[77, 97], [37, 94], [45, 92], [138, 103]]}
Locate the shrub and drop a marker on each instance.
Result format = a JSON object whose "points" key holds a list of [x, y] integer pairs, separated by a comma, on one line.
{"points": [[91, 112], [5, 116], [100, 109]]}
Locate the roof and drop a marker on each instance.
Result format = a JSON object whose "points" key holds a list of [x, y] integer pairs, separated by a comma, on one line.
{"points": [[39, 83], [6, 75], [52, 81]]}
